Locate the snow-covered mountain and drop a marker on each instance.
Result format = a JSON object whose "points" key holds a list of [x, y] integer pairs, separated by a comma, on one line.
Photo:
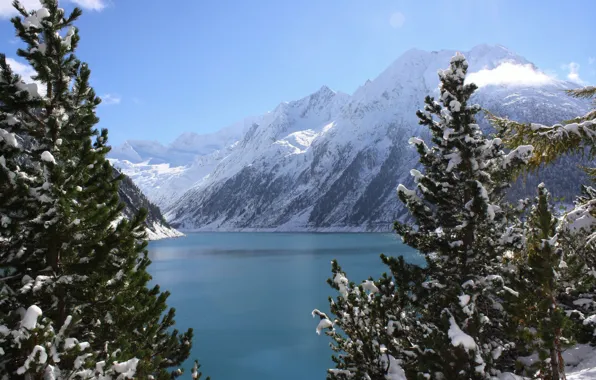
{"points": [[164, 173], [329, 161]]}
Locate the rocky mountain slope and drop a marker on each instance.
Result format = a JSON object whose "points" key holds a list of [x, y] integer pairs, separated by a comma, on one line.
{"points": [[332, 161], [134, 199]]}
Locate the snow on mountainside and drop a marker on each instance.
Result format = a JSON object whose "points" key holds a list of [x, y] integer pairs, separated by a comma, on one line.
{"points": [[329, 161], [133, 199], [164, 173]]}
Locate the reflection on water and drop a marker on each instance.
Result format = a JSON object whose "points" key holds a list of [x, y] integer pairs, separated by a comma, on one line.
{"points": [[248, 296]]}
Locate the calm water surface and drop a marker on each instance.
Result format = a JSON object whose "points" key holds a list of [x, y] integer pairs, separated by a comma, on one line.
{"points": [[248, 296]]}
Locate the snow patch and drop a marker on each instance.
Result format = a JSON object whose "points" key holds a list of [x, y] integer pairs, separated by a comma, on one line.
{"points": [[48, 157], [460, 338], [158, 231], [370, 286], [29, 321]]}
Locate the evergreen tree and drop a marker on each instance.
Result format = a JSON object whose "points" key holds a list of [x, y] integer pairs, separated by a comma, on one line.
{"points": [[64, 246], [37, 351], [378, 324], [444, 320], [538, 274], [461, 227], [576, 228]]}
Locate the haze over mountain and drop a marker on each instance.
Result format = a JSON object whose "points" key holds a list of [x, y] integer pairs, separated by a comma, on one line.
{"points": [[331, 161]]}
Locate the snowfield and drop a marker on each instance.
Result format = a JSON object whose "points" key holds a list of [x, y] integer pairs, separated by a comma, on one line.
{"points": [[580, 364]]}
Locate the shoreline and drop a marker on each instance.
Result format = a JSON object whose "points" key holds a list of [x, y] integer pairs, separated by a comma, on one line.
{"points": [[330, 230]]}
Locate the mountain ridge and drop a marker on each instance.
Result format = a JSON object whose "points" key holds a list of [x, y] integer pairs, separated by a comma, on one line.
{"points": [[325, 161]]}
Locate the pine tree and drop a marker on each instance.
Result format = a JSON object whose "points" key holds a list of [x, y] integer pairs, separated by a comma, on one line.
{"points": [[38, 351], [539, 272], [461, 229], [64, 246], [444, 320], [376, 340], [576, 228]]}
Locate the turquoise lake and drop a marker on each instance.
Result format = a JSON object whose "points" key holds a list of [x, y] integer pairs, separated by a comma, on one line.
{"points": [[248, 296]]}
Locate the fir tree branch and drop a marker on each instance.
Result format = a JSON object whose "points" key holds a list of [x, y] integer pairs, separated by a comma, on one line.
{"points": [[550, 142], [587, 92]]}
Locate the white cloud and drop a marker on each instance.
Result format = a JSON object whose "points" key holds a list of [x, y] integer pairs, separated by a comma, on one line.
{"points": [[23, 69], [397, 20], [573, 74], [26, 72], [510, 74], [110, 99], [96, 5], [7, 10], [591, 60]]}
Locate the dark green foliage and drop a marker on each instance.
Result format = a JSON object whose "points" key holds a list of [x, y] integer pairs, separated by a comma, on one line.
{"points": [[578, 285], [64, 246], [576, 228], [537, 321]]}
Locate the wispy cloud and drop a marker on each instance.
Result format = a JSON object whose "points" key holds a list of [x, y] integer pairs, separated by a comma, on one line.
{"points": [[23, 69], [591, 60], [110, 99], [7, 10], [397, 20], [96, 5], [573, 68], [26, 72], [510, 74]]}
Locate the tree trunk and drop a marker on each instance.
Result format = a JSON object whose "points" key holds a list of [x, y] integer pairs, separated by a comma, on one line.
{"points": [[554, 363], [557, 362]]}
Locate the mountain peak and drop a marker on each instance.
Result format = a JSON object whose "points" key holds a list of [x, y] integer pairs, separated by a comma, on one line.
{"points": [[125, 151], [490, 56], [413, 53], [417, 69], [484, 48], [325, 90], [479, 56]]}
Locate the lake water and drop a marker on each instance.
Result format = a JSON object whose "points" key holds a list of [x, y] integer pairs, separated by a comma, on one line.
{"points": [[248, 296]]}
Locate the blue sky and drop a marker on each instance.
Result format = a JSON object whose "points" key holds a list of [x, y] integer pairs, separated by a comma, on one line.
{"points": [[199, 65]]}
